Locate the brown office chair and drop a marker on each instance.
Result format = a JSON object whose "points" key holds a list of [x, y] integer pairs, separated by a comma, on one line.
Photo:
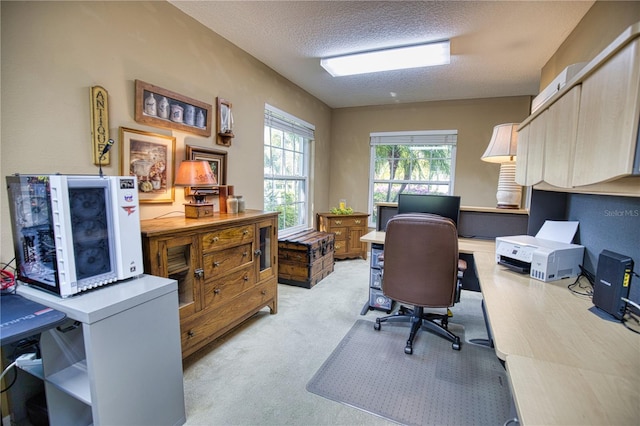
{"points": [[421, 268]]}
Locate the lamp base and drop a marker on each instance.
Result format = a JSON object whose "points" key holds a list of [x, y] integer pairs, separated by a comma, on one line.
{"points": [[198, 210], [509, 192]]}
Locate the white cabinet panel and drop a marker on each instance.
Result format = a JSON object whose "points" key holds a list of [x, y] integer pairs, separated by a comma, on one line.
{"points": [[608, 119]]}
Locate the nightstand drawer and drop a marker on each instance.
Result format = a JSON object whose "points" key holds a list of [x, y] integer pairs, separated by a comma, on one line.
{"points": [[228, 237]]}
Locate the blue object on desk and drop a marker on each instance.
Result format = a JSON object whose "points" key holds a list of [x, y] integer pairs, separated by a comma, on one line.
{"points": [[21, 318]]}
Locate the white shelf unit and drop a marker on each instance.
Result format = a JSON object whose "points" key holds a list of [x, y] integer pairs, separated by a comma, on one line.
{"points": [[117, 360]]}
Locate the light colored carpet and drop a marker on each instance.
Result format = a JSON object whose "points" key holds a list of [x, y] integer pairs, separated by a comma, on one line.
{"points": [[436, 385], [256, 375]]}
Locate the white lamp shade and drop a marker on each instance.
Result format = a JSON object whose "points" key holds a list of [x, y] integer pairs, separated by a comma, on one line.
{"points": [[503, 144]]}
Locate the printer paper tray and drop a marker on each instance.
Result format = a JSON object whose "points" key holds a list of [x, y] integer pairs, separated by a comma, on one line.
{"points": [[515, 264]]}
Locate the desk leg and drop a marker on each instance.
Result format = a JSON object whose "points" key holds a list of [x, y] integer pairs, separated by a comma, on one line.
{"points": [[485, 342], [366, 308]]}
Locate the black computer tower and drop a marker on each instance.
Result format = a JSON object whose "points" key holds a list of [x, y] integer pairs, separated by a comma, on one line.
{"points": [[613, 279]]}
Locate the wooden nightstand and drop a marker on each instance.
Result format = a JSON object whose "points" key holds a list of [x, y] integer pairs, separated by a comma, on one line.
{"points": [[348, 230]]}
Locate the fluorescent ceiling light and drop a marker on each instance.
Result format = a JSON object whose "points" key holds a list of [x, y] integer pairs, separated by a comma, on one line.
{"points": [[421, 55]]}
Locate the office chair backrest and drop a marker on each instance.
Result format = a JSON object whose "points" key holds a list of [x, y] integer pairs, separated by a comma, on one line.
{"points": [[421, 260]]}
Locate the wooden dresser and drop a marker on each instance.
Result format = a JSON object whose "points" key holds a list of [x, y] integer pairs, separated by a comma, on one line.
{"points": [[226, 267], [348, 230]]}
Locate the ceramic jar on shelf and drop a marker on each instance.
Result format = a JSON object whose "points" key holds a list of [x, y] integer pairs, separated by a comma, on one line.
{"points": [[232, 204], [241, 203]]}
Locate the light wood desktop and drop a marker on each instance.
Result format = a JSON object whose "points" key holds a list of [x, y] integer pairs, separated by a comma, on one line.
{"points": [[567, 362]]}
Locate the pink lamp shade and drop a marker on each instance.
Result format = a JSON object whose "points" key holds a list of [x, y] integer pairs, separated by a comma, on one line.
{"points": [[195, 173]]}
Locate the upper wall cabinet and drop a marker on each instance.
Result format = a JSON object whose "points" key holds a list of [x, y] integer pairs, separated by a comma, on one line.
{"points": [[531, 143], [608, 119], [561, 131], [586, 135]]}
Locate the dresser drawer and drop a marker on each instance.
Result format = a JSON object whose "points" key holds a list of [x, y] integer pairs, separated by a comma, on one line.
{"points": [[213, 322], [340, 232], [222, 262], [347, 221], [228, 237], [217, 291], [340, 247]]}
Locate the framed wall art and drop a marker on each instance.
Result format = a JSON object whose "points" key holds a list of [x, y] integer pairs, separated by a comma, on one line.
{"points": [[218, 162], [149, 157], [159, 107], [224, 123]]}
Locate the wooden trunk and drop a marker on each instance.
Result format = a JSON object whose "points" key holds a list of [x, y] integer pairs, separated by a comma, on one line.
{"points": [[305, 258]]}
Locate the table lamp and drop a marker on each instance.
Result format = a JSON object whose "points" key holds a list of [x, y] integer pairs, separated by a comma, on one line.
{"points": [[502, 150], [196, 173]]}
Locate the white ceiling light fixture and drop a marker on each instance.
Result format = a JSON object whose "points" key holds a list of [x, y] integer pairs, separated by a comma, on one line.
{"points": [[397, 58]]}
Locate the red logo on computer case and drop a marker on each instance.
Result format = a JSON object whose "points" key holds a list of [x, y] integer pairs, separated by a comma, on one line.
{"points": [[129, 209]]}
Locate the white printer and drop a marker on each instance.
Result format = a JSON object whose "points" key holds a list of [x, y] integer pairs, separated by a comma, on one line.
{"points": [[546, 259]]}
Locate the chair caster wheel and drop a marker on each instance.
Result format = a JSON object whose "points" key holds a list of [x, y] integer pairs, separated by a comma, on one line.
{"points": [[408, 350], [376, 326], [456, 345]]}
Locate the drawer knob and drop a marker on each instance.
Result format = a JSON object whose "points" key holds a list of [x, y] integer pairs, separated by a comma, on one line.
{"points": [[216, 291], [245, 232], [245, 254], [338, 222], [338, 232], [216, 264], [357, 221], [263, 292], [258, 252], [190, 333], [199, 273], [246, 277]]}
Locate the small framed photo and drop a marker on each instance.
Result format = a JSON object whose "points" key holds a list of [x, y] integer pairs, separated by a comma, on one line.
{"points": [[160, 107], [150, 158], [218, 162]]}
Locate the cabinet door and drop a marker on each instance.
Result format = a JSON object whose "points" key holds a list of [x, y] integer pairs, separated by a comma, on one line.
{"points": [[560, 140], [179, 261], [608, 120], [357, 230], [530, 154], [267, 253]]}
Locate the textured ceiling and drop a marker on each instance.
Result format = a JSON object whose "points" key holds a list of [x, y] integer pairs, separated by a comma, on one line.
{"points": [[497, 47]]}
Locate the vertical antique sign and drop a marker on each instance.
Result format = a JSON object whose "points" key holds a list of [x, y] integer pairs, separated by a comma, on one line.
{"points": [[99, 124]]}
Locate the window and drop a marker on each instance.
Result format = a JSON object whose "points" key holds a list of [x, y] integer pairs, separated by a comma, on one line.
{"points": [[421, 162], [287, 142]]}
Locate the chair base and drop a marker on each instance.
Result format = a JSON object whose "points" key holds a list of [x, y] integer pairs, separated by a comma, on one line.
{"points": [[420, 320]]}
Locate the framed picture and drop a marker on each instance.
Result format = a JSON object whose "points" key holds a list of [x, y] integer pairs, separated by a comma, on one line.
{"points": [[218, 162], [149, 157], [159, 107], [224, 123]]}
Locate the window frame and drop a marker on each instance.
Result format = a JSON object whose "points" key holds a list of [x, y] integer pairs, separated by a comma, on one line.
{"points": [[276, 119], [410, 138]]}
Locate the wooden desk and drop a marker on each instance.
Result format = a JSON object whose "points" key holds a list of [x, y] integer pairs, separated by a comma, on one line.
{"points": [[567, 362]]}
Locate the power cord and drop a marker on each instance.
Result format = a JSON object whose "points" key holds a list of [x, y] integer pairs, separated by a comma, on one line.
{"points": [[587, 289]]}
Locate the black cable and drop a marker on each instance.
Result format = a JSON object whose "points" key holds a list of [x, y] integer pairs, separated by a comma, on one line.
{"points": [[625, 319], [588, 290], [15, 377]]}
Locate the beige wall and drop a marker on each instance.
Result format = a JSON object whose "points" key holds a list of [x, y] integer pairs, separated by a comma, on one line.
{"points": [[53, 52], [475, 181]]}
